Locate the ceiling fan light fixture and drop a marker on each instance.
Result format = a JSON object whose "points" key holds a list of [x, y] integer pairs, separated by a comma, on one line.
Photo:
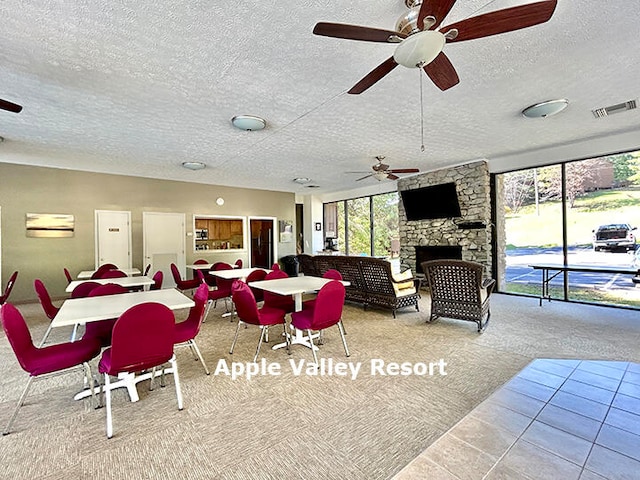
{"points": [[194, 165], [545, 109], [248, 123], [380, 176], [419, 49]]}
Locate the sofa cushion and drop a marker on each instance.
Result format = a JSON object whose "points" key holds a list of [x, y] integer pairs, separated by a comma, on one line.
{"points": [[404, 288]]}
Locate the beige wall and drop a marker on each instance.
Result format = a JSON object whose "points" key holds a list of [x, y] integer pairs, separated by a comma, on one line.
{"points": [[26, 189]]}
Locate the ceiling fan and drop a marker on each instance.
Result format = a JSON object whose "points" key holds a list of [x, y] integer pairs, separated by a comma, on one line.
{"points": [[420, 39], [11, 107], [382, 171]]}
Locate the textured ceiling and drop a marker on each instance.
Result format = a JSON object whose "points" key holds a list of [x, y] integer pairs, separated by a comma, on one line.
{"points": [[137, 87]]}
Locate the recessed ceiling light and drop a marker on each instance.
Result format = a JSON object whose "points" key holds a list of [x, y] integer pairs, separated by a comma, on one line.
{"points": [[545, 109], [248, 122], [302, 180], [194, 165]]}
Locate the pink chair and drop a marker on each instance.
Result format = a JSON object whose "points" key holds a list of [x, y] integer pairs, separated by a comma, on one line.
{"points": [[248, 313], [50, 310], [68, 275], [275, 266], [223, 290], [102, 329], [83, 289], [326, 312], [39, 362], [274, 300], [208, 278], [256, 276], [334, 275], [181, 284], [157, 278], [113, 274], [186, 331], [7, 290], [238, 263], [101, 269], [142, 340]]}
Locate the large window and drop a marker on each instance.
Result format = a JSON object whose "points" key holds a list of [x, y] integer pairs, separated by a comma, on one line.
{"points": [[581, 213], [364, 225]]}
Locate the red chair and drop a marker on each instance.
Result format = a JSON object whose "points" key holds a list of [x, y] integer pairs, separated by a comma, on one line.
{"points": [[274, 300], [248, 313], [326, 312], [83, 289], [68, 275], [208, 278], [157, 278], [101, 269], [238, 263], [186, 331], [50, 310], [39, 362], [223, 290], [142, 339], [102, 329], [7, 290], [113, 274], [181, 284], [334, 275], [256, 276], [275, 266]]}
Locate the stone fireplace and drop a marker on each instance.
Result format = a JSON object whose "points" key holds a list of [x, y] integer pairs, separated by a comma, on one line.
{"points": [[467, 237], [425, 253]]}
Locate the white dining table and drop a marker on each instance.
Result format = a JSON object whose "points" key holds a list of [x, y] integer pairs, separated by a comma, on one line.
{"points": [[92, 309], [86, 274], [128, 282], [294, 286], [236, 273]]}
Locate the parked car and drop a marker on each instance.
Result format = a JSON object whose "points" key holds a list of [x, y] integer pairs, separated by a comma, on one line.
{"points": [[614, 236]]}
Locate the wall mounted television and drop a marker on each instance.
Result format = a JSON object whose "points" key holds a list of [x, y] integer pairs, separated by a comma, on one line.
{"points": [[434, 201]]}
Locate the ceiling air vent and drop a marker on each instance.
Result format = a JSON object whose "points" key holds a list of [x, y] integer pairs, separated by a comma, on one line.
{"points": [[610, 110]]}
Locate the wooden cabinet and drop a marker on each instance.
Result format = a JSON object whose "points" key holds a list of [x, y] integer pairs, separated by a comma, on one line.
{"points": [[223, 233]]}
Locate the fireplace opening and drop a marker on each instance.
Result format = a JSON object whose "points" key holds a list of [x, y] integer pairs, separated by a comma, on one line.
{"points": [[436, 252]]}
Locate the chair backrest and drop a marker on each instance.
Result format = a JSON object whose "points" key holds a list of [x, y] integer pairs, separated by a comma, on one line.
{"points": [[200, 261], [196, 313], [176, 274], [256, 276], [9, 287], [113, 274], [328, 305], [83, 289], [245, 303], [18, 335], [68, 275], [158, 277], [333, 274], [103, 268], [274, 299], [50, 310], [275, 266], [107, 289], [223, 283], [458, 280], [146, 270], [238, 263], [142, 338]]}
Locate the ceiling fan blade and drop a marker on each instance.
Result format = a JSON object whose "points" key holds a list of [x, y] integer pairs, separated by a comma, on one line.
{"points": [[438, 9], [357, 172], [362, 178], [373, 76], [355, 32], [11, 107], [391, 176], [441, 72], [501, 21], [403, 170]]}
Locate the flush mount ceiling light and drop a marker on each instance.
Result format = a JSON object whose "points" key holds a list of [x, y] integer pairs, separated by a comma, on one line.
{"points": [[194, 165], [301, 180], [248, 122], [220, 201], [545, 109]]}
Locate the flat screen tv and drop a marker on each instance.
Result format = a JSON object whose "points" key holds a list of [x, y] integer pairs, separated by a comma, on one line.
{"points": [[435, 201]]}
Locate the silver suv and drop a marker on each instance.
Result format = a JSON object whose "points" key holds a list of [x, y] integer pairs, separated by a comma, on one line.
{"points": [[614, 236]]}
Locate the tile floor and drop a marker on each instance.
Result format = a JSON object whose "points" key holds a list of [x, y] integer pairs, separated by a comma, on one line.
{"points": [[557, 419]]}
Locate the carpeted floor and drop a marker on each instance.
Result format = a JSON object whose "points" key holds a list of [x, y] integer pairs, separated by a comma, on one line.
{"points": [[298, 426]]}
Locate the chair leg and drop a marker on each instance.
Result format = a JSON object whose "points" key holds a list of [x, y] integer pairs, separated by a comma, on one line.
{"points": [[74, 333], [313, 350], [107, 387], [194, 347], [286, 337], [176, 379], [89, 378], [20, 402], [235, 338], [206, 313], [344, 340], [262, 331], [46, 335]]}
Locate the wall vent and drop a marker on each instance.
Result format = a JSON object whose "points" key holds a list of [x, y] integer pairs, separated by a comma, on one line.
{"points": [[610, 110]]}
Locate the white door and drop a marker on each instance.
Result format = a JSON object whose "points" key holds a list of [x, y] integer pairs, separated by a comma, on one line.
{"points": [[113, 238], [164, 243]]}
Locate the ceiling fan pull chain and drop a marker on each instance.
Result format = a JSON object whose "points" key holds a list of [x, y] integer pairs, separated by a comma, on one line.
{"points": [[421, 115]]}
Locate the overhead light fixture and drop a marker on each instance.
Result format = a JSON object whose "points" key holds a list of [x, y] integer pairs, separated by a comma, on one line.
{"points": [[194, 165], [419, 49], [220, 201], [380, 176], [545, 109], [301, 180], [248, 122]]}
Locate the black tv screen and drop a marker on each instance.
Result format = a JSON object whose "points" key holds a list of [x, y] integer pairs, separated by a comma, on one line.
{"points": [[435, 201]]}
